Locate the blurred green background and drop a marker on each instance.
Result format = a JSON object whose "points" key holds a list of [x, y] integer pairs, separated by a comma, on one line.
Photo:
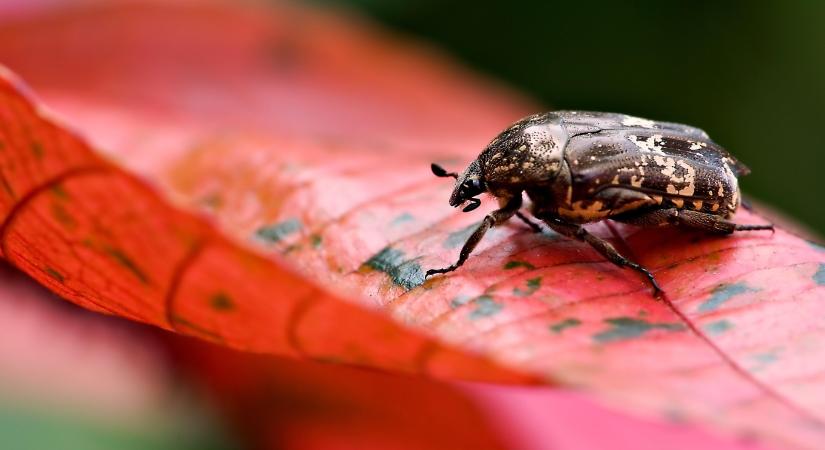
{"points": [[752, 74]]}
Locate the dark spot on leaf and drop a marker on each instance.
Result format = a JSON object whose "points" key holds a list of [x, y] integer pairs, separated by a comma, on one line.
{"points": [[58, 192], [403, 218], [533, 285], [62, 216], [6, 186], [54, 274], [276, 232], [718, 327], [517, 264], [565, 324], [405, 273], [37, 150], [722, 294], [316, 240], [629, 328], [819, 276], [485, 307], [124, 260], [211, 335], [212, 201], [221, 302], [458, 238]]}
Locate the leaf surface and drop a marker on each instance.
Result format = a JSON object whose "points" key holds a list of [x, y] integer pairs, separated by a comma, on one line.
{"points": [[313, 171]]}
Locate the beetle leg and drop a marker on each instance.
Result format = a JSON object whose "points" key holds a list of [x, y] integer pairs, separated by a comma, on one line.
{"points": [[602, 246], [496, 217], [534, 226], [693, 219]]}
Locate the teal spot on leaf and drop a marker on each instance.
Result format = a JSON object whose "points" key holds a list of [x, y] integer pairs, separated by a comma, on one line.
{"points": [[533, 285], [517, 264], [718, 327], [403, 272], [459, 301], [817, 246], [485, 307], [276, 232], [401, 219], [722, 294], [565, 324], [819, 276], [458, 238], [623, 328]]}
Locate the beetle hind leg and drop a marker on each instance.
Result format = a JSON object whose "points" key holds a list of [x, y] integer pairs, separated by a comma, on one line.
{"points": [[605, 248], [691, 219], [533, 225]]}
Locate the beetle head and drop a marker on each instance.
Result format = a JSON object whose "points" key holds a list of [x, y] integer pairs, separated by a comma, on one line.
{"points": [[467, 185]]}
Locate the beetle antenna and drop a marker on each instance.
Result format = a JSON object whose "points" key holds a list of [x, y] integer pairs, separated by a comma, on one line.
{"points": [[474, 203], [440, 172]]}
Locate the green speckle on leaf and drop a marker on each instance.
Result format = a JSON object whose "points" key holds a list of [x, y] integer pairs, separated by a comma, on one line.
{"points": [[722, 294], [629, 328], [62, 216], [401, 219], [38, 150], [819, 276], [50, 271], [718, 327], [517, 264], [565, 324], [316, 240], [533, 284], [125, 261], [276, 232], [459, 237], [221, 302], [485, 307], [58, 192], [403, 272]]}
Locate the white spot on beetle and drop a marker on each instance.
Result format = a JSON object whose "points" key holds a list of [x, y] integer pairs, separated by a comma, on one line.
{"points": [[630, 121], [697, 145], [650, 144]]}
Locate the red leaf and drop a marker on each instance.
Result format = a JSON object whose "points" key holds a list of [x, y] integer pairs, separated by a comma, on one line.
{"points": [[219, 126]]}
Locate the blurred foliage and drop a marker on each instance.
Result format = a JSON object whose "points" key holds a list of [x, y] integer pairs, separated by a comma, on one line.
{"points": [[752, 74], [27, 426]]}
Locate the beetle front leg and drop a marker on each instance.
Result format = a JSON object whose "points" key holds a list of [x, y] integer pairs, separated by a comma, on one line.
{"points": [[600, 245], [496, 217]]}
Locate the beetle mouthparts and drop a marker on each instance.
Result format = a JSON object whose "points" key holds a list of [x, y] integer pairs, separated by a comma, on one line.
{"points": [[474, 203]]}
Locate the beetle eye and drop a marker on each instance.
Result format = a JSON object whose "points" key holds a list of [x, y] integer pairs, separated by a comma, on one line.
{"points": [[474, 186]]}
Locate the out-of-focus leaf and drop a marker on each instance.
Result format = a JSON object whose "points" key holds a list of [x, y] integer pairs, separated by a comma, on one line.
{"points": [[221, 126], [70, 379]]}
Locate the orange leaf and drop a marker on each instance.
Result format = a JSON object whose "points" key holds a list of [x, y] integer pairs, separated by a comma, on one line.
{"points": [[319, 158]]}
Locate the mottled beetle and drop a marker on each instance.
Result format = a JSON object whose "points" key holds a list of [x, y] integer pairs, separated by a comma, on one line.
{"points": [[578, 167]]}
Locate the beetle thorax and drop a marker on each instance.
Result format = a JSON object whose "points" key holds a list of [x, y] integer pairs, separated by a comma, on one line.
{"points": [[530, 152]]}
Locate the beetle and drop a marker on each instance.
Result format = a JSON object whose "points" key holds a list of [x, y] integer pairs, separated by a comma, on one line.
{"points": [[578, 167]]}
